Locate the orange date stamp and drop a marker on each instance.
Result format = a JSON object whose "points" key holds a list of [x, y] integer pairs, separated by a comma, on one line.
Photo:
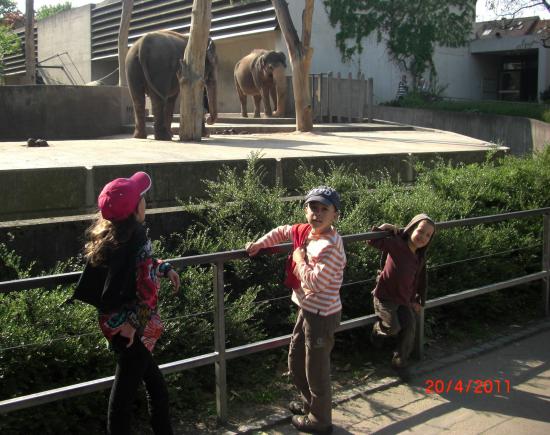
{"points": [[473, 386]]}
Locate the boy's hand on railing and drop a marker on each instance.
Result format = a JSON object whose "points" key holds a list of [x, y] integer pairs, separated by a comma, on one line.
{"points": [[174, 278], [252, 248]]}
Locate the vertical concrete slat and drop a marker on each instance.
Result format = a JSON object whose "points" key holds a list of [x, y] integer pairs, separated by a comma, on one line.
{"points": [[370, 98], [329, 96], [219, 342], [546, 264]]}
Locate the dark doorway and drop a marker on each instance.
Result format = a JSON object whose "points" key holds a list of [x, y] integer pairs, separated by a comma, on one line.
{"points": [[518, 78]]}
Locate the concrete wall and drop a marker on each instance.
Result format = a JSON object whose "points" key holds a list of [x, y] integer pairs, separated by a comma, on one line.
{"points": [[67, 34], [521, 135], [72, 191], [62, 112], [54, 239]]}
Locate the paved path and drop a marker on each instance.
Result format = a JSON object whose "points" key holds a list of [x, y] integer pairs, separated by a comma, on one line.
{"points": [[407, 408], [126, 150]]}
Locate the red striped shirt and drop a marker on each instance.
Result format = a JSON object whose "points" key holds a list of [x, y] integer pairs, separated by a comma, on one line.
{"points": [[321, 274]]}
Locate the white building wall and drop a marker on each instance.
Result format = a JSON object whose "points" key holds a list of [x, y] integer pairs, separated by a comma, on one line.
{"points": [[456, 67], [67, 34]]}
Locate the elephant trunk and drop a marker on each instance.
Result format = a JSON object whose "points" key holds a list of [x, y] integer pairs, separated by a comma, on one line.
{"points": [[279, 78]]}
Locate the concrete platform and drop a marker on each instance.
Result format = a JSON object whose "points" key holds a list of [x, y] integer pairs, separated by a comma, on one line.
{"points": [[124, 150], [65, 178]]}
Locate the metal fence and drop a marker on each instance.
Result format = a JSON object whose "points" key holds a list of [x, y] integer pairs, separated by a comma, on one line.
{"points": [[221, 355]]}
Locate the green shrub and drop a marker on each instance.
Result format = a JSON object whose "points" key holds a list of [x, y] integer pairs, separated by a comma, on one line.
{"points": [[240, 207]]}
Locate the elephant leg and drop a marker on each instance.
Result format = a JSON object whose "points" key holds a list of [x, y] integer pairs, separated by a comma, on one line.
{"points": [[267, 103], [168, 113], [257, 104], [160, 121], [273, 93], [242, 98], [138, 99]]}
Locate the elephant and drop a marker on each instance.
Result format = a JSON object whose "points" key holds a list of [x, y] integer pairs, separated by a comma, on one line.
{"points": [[262, 74], [152, 64]]}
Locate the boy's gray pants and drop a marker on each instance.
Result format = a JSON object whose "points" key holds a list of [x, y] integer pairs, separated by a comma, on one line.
{"points": [[309, 363], [396, 320]]}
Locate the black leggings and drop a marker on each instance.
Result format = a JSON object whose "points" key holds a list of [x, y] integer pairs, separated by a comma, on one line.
{"points": [[136, 364]]}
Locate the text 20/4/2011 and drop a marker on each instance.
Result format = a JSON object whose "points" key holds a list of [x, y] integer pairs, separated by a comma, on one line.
{"points": [[475, 386]]}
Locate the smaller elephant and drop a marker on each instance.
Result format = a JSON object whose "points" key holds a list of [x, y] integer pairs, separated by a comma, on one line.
{"points": [[262, 74]]}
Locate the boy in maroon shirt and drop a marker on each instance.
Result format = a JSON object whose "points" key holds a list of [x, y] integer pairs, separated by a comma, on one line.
{"points": [[401, 286]]}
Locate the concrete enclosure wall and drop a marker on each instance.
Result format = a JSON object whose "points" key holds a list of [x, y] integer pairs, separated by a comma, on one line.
{"points": [[63, 112], [521, 135], [64, 39], [74, 190]]}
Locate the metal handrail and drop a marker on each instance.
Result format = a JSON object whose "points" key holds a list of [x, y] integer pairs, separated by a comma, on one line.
{"points": [[220, 355]]}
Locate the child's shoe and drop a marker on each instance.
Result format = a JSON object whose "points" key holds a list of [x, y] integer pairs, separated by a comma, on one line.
{"points": [[297, 408], [304, 424]]}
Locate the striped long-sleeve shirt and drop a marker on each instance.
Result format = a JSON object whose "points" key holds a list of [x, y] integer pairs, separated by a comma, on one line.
{"points": [[320, 275]]}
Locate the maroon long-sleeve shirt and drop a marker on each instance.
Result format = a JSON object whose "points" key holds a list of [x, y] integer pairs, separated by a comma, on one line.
{"points": [[399, 280]]}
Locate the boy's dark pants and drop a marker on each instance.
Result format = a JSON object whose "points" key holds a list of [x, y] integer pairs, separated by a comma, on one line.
{"points": [[309, 363], [395, 319], [135, 364]]}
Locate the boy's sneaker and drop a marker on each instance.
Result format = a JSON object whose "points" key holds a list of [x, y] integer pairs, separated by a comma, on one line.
{"points": [[297, 408], [304, 424], [376, 341]]}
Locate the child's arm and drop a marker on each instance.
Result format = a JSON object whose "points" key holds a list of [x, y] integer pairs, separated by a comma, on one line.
{"points": [[165, 269], [330, 262], [274, 237], [385, 243]]}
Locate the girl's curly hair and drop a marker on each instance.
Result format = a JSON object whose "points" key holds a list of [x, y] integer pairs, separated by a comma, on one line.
{"points": [[103, 236]]}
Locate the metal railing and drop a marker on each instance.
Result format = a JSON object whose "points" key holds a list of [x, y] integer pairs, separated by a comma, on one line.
{"points": [[221, 355]]}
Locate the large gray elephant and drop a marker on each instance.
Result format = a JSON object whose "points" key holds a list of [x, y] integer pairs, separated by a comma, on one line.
{"points": [[262, 74], [151, 68]]}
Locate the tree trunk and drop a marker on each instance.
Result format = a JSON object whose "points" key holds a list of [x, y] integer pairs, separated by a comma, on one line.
{"points": [[30, 58], [300, 58], [127, 7], [191, 76]]}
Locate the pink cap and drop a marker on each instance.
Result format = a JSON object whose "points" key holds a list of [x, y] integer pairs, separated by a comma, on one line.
{"points": [[120, 198]]}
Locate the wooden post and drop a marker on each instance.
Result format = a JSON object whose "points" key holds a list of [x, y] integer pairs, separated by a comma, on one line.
{"points": [[350, 98], [300, 58], [191, 75], [30, 57], [127, 7]]}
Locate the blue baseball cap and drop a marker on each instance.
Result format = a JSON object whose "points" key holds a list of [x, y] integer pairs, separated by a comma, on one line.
{"points": [[325, 195]]}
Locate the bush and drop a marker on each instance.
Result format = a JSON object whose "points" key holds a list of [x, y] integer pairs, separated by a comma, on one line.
{"points": [[35, 354], [508, 108]]}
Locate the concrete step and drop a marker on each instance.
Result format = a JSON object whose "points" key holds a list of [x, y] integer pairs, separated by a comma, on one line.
{"points": [[251, 128], [236, 118]]}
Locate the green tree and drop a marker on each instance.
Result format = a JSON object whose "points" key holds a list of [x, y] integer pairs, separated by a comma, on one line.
{"points": [[9, 42], [410, 28], [49, 10]]}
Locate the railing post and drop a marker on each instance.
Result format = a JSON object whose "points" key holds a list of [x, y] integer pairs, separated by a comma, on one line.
{"points": [[419, 337], [546, 263], [219, 342]]}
